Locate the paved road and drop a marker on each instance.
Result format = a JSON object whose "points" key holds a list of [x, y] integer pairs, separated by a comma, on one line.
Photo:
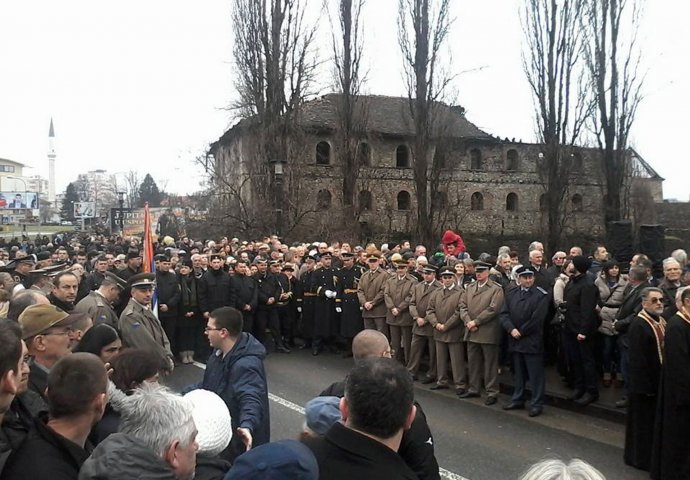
{"points": [[473, 441]]}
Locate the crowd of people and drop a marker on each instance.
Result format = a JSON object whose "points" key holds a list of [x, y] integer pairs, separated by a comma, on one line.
{"points": [[89, 334]]}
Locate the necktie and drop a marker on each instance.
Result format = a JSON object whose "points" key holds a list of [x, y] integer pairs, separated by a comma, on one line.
{"points": [[426, 287]]}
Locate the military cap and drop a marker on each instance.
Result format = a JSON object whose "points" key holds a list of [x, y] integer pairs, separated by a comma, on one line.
{"points": [[373, 256], [289, 267], [52, 270], [258, 260], [162, 257], [133, 254], [143, 280], [311, 257], [347, 255], [429, 269], [44, 255], [115, 279], [480, 266], [28, 259], [273, 263], [447, 271], [215, 256], [36, 319], [524, 270], [326, 254]]}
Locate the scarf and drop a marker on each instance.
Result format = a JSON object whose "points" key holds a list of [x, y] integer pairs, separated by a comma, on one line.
{"points": [[659, 329], [188, 290]]}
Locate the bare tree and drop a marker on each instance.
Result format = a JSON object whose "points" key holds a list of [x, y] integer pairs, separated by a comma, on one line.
{"points": [[423, 27], [616, 86], [132, 184], [351, 108], [554, 67]]}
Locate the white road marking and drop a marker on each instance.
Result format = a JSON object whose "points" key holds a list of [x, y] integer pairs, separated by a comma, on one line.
{"points": [[299, 409]]}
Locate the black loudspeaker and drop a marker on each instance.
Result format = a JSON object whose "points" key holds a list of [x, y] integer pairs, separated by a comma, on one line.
{"points": [[620, 241], [653, 242]]}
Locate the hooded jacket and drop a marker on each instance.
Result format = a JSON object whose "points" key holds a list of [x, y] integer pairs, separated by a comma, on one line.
{"points": [[240, 380], [123, 456]]}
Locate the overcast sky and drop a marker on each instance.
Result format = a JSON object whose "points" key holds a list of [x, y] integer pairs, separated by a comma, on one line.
{"points": [[143, 85]]}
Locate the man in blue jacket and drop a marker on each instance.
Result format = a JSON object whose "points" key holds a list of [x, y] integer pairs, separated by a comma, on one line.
{"points": [[235, 371]]}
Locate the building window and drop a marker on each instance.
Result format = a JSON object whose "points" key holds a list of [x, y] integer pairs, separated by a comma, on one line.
{"points": [[323, 200], [323, 153], [512, 202], [7, 168], [577, 202], [577, 162], [477, 201], [512, 160], [404, 200], [476, 159], [543, 207], [364, 154], [402, 156], [365, 200]]}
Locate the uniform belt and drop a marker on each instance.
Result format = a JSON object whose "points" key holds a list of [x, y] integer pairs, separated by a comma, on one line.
{"points": [[307, 294], [282, 304], [350, 290]]}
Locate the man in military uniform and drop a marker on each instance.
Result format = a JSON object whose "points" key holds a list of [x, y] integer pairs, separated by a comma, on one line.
{"points": [[268, 293], [524, 311], [444, 316], [22, 266], [351, 316], [370, 294], [324, 283], [283, 300], [480, 305], [244, 294], [397, 292], [422, 330], [169, 294], [138, 326], [305, 302], [133, 267], [98, 305]]}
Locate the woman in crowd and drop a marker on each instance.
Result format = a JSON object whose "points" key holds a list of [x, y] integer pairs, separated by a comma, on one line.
{"points": [[611, 285], [102, 340], [190, 325]]}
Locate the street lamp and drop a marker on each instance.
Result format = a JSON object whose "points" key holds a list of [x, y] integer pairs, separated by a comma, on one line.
{"points": [[121, 200], [278, 171]]}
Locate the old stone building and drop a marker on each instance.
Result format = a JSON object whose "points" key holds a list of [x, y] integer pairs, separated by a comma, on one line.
{"points": [[488, 186]]}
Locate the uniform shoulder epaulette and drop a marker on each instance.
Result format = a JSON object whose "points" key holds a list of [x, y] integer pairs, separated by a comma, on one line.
{"points": [[542, 291], [496, 283]]}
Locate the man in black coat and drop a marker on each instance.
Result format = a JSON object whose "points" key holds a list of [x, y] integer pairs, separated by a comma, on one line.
{"points": [[169, 293], [631, 306], [95, 278], [646, 339], [581, 324], [524, 311], [244, 294], [268, 293], [376, 410], [417, 444], [351, 322], [324, 283], [214, 287], [58, 441]]}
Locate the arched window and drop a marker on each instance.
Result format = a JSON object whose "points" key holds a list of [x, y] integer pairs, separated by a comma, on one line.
{"points": [[441, 157], [477, 201], [323, 153], [512, 159], [365, 200], [512, 202], [440, 201], [577, 202], [364, 154], [476, 159], [543, 207], [404, 200], [402, 157], [323, 200]]}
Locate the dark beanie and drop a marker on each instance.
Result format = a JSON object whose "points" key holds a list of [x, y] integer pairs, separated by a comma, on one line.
{"points": [[581, 263], [188, 263]]}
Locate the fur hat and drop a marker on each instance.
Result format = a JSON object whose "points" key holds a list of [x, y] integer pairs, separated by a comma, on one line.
{"points": [[212, 420]]}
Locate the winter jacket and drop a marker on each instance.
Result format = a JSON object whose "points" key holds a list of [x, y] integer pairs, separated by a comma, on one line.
{"points": [[582, 298], [611, 299], [168, 291], [122, 456], [240, 380]]}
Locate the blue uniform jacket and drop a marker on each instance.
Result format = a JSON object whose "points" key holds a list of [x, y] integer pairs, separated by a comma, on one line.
{"points": [[240, 380], [526, 312]]}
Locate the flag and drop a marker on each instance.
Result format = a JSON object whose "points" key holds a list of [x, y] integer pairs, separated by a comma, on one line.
{"points": [[149, 265]]}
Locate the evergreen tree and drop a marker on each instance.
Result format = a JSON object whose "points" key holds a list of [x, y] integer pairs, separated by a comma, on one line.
{"points": [[148, 192], [71, 196]]}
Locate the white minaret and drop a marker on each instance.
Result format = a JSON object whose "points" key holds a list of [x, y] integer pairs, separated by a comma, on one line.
{"points": [[51, 163]]}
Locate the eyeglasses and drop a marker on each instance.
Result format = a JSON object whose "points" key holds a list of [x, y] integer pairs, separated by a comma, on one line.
{"points": [[211, 329], [656, 300], [67, 331]]}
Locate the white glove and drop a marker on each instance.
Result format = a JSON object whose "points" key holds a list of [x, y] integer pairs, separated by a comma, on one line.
{"points": [[299, 309], [329, 294], [334, 294], [338, 309]]}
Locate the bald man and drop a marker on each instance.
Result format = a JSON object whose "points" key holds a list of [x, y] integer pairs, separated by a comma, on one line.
{"points": [[417, 446]]}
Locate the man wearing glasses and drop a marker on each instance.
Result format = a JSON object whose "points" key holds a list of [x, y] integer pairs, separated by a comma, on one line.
{"points": [[47, 330]]}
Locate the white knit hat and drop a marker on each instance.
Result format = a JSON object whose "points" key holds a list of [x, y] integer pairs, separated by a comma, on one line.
{"points": [[212, 420]]}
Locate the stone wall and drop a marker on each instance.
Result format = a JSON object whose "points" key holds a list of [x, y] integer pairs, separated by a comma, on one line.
{"points": [[676, 218]]}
